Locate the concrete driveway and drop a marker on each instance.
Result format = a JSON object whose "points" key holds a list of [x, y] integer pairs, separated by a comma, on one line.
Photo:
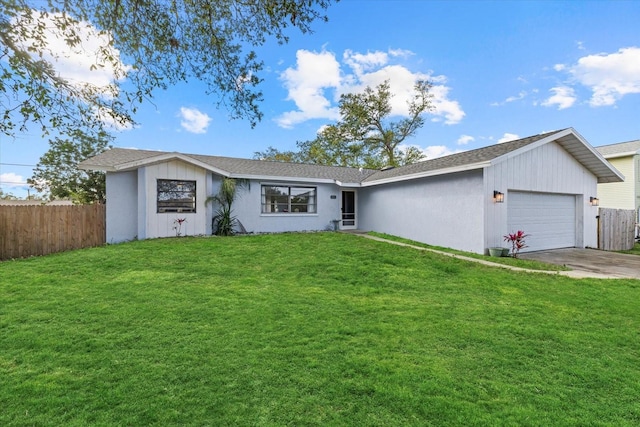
{"points": [[591, 262]]}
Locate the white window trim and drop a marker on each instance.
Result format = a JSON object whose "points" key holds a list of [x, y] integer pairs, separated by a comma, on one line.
{"points": [[288, 214]]}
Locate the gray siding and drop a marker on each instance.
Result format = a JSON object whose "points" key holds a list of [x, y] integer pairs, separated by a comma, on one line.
{"points": [[122, 206], [248, 209], [545, 169], [161, 224], [443, 210]]}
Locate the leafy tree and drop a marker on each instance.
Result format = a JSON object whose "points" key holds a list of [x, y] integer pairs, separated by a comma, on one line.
{"points": [[224, 222], [148, 44], [274, 154], [7, 196], [58, 176], [365, 136]]}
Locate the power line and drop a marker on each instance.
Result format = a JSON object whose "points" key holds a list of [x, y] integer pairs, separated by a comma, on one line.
{"points": [[16, 164]]}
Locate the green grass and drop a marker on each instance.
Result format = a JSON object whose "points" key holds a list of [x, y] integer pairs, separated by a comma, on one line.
{"points": [[516, 262], [634, 251], [309, 329]]}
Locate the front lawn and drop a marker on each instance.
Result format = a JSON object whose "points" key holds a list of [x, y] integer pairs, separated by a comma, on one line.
{"points": [[309, 329], [507, 260]]}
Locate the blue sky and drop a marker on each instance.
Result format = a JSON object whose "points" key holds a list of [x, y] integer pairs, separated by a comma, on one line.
{"points": [[500, 70]]}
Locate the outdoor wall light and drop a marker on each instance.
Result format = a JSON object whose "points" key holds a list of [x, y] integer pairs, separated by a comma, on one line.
{"points": [[594, 201], [498, 197]]}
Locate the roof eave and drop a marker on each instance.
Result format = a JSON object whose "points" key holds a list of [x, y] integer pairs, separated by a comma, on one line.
{"points": [[444, 171], [164, 157], [89, 167], [277, 178], [617, 155], [607, 173]]}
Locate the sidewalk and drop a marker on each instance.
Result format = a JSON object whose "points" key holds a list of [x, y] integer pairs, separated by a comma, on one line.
{"points": [[575, 274]]}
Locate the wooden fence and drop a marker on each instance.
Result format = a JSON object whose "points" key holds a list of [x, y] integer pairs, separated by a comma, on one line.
{"points": [[39, 230], [616, 229]]}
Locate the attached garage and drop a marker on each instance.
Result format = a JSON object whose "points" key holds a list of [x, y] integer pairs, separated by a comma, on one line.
{"points": [[548, 218], [467, 201]]}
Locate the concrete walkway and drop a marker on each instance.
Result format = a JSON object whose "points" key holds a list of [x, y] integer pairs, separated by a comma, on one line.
{"points": [[591, 261], [581, 270]]}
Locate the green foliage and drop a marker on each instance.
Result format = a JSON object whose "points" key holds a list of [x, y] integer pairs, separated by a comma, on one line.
{"points": [[147, 44], [309, 329], [7, 196], [365, 136], [58, 176], [224, 222], [516, 262], [273, 154], [634, 251]]}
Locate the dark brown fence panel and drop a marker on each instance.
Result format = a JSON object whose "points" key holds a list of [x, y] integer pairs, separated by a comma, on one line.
{"points": [[616, 229], [40, 230]]}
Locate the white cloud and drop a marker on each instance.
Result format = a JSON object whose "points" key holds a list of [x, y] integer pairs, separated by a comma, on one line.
{"points": [[105, 116], [609, 76], [402, 53], [563, 97], [306, 84], [431, 152], [193, 120], [465, 139], [360, 62], [435, 151], [521, 95], [317, 80], [91, 67], [92, 61], [12, 178], [11, 181], [508, 137], [446, 108]]}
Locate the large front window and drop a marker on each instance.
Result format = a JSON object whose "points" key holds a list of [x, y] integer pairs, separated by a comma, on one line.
{"points": [[176, 196], [284, 199]]}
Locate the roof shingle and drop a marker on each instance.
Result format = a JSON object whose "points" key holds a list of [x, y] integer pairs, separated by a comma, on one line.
{"points": [[129, 159], [619, 148]]}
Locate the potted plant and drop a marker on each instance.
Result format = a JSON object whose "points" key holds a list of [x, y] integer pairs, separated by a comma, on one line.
{"points": [[497, 251]]}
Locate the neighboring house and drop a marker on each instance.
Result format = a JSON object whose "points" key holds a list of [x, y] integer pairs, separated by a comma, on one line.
{"points": [[625, 157], [545, 184]]}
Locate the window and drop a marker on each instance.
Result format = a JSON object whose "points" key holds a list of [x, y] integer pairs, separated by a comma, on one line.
{"points": [[176, 196], [284, 200]]}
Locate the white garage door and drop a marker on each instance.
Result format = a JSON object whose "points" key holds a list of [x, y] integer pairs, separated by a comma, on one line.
{"points": [[549, 219]]}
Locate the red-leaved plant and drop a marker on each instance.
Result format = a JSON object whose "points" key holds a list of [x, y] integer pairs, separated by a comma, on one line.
{"points": [[517, 242], [177, 225]]}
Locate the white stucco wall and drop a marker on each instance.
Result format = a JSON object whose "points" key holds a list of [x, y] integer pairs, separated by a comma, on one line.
{"points": [[122, 206], [247, 209], [442, 211], [545, 169]]}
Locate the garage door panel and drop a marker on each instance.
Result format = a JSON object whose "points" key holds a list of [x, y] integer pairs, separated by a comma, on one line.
{"points": [[549, 219]]}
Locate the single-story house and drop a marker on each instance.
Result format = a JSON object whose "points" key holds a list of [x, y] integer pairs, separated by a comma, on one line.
{"points": [[542, 185], [625, 157]]}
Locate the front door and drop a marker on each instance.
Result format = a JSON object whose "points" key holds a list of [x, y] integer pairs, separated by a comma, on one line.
{"points": [[348, 211]]}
